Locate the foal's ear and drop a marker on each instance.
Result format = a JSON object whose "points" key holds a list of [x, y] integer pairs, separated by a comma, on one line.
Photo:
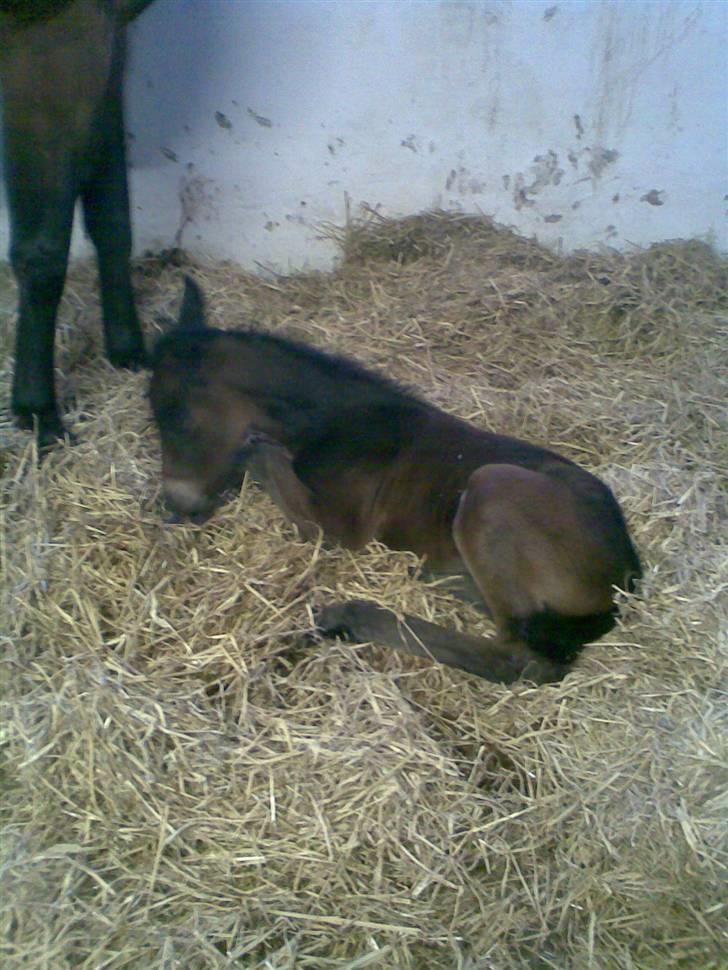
{"points": [[192, 311]]}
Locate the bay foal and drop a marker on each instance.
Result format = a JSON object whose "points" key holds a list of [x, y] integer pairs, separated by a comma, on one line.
{"points": [[541, 542]]}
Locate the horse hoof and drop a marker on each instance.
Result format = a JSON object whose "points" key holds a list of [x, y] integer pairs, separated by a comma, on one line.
{"points": [[47, 442], [332, 621], [134, 361], [49, 430], [343, 620]]}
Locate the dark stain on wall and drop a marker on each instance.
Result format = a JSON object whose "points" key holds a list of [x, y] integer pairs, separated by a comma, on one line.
{"points": [[544, 171], [464, 182], [601, 158], [260, 119]]}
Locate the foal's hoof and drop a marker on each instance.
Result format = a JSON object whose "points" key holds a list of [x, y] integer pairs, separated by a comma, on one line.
{"points": [[190, 518], [259, 455], [348, 621], [542, 671], [332, 621], [256, 439]]}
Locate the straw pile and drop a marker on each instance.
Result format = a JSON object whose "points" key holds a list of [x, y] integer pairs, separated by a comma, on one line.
{"points": [[187, 784]]}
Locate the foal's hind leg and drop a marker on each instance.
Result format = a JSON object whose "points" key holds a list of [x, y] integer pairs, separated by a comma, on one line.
{"points": [[360, 621], [537, 549]]}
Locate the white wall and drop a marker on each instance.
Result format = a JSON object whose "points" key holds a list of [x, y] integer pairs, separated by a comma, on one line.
{"points": [[581, 122]]}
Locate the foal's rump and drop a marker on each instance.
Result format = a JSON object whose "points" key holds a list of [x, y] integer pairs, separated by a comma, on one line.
{"points": [[546, 548]]}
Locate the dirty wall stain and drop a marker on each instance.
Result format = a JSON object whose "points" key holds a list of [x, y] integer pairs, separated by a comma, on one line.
{"points": [[625, 48], [544, 171]]}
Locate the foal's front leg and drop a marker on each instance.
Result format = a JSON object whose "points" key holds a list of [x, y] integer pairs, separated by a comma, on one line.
{"points": [[270, 465], [339, 504]]}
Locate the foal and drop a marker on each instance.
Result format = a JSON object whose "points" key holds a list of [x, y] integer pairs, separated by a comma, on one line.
{"points": [[539, 541]]}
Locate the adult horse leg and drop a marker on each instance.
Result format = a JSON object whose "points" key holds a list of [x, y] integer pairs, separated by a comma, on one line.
{"points": [[105, 197], [57, 65], [54, 73], [41, 193]]}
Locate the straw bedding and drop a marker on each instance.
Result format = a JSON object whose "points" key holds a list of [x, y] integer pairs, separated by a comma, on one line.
{"points": [[188, 783]]}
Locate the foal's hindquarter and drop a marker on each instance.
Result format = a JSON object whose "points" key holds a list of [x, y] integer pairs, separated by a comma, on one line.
{"points": [[543, 542], [339, 449]]}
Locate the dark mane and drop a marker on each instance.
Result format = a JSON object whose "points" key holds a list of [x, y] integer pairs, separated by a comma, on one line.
{"points": [[336, 366], [186, 347]]}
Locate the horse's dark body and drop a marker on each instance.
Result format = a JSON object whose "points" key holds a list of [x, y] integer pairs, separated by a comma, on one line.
{"points": [[541, 542], [61, 71]]}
